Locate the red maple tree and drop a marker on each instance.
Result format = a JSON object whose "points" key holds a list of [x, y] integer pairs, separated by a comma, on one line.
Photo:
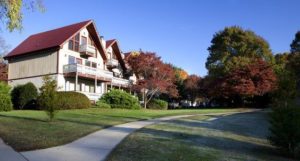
{"points": [[255, 79], [192, 87], [155, 77]]}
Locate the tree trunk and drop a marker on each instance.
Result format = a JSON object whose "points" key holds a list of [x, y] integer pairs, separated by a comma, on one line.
{"points": [[145, 99]]}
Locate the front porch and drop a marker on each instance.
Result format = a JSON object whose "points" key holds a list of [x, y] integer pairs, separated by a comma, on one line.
{"points": [[93, 82], [93, 89]]}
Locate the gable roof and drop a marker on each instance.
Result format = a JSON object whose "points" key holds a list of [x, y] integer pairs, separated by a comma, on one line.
{"points": [[109, 43], [55, 39], [114, 44]]}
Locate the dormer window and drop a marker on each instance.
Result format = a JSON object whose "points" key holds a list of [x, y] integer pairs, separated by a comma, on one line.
{"points": [[74, 43]]}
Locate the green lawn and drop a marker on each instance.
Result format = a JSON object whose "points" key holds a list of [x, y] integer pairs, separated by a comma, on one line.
{"points": [[240, 137], [28, 130]]}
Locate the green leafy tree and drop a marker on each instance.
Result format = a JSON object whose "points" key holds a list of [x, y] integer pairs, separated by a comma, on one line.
{"points": [[281, 60], [294, 65], [295, 45], [285, 92], [294, 58], [11, 11], [48, 96], [234, 47], [285, 130], [231, 55]]}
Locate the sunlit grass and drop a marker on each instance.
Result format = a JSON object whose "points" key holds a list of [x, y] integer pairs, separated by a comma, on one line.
{"points": [[28, 129]]}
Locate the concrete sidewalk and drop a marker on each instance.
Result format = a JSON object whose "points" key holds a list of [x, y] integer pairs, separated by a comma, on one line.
{"points": [[9, 154], [93, 147]]}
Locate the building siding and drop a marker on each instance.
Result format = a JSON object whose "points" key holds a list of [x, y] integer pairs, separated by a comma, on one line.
{"points": [[35, 64]]}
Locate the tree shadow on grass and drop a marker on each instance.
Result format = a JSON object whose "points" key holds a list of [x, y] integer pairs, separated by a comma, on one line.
{"points": [[253, 124], [100, 125], [24, 118], [127, 117], [218, 143]]}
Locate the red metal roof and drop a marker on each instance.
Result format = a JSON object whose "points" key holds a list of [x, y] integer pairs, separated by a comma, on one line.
{"points": [[47, 40], [114, 44], [110, 42]]}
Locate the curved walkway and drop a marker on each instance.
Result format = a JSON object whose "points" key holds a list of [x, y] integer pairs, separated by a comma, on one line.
{"points": [[93, 147], [8, 154]]}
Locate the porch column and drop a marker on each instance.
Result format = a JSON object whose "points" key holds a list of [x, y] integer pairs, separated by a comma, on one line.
{"points": [[95, 84], [76, 81]]}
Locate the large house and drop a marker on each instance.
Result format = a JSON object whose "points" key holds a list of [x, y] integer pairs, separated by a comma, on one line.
{"points": [[75, 56]]}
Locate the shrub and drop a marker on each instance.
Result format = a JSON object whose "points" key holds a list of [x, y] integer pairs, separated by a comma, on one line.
{"points": [[285, 129], [72, 100], [5, 102], [100, 104], [120, 99], [5, 99], [157, 104], [24, 95], [4, 88], [48, 96]]}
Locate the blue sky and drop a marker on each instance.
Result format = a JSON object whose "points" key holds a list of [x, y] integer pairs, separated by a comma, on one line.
{"points": [[179, 31]]}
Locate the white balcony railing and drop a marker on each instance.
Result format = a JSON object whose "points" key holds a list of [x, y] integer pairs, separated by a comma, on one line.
{"points": [[92, 96], [112, 63], [120, 81], [85, 48], [69, 68]]}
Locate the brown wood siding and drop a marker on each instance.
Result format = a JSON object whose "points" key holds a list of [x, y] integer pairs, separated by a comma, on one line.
{"points": [[44, 62]]}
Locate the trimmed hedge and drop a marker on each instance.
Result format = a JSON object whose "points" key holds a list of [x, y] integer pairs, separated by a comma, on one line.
{"points": [[285, 129], [71, 100], [24, 96], [120, 99], [5, 99], [100, 104], [157, 104], [5, 102]]}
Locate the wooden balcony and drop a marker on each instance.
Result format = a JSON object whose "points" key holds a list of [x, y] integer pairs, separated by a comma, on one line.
{"points": [[112, 63], [88, 50], [87, 72]]}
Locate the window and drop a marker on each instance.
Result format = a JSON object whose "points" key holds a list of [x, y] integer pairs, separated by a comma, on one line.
{"points": [[74, 43], [94, 65], [87, 63], [71, 60], [71, 45], [78, 61]]}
